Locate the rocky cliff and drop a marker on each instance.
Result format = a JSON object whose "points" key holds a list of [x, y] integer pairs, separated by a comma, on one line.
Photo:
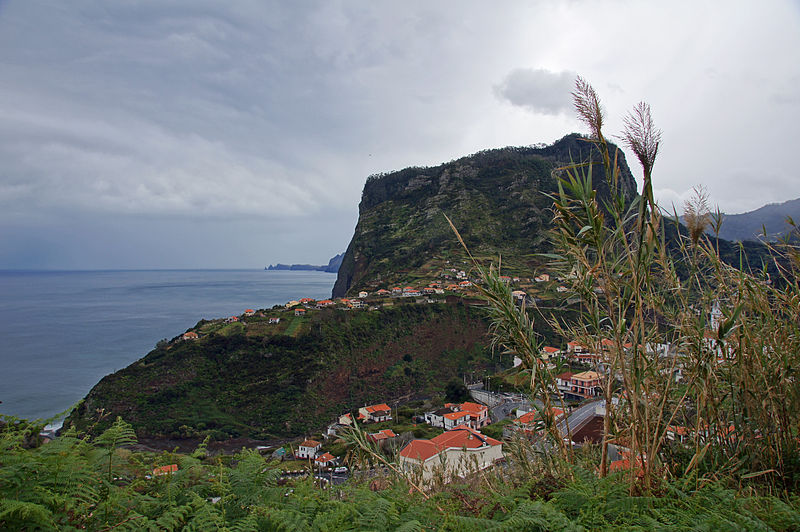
{"points": [[496, 198]]}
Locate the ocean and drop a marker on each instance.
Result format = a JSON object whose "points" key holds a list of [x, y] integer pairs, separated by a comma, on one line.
{"points": [[62, 331]]}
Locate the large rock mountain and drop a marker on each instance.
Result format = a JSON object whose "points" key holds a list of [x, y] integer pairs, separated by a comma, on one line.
{"points": [[496, 198]]}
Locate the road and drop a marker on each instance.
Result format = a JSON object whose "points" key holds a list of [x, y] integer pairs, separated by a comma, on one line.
{"points": [[579, 416]]}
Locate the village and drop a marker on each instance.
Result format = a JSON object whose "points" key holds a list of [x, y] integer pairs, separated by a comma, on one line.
{"points": [[461, 438]]}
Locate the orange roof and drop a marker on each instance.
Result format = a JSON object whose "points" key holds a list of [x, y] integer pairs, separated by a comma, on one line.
{"points": [[529, 417], [624, 465], [473, 408], [548, 349], [460, 437], [382, 434], [165, 470], [190, 334], [306, 300], [249, 310], [378, 408], [586, 376], [324, 457], [463, 436], [456, 415], [420, 450], [310, 443], [678, 429]]}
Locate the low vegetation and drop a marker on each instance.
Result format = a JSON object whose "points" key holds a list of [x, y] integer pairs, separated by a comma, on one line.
{"points": [[236, 381]]}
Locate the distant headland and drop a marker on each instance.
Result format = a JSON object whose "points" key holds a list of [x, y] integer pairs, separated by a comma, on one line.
{"points": [[331, 267]]}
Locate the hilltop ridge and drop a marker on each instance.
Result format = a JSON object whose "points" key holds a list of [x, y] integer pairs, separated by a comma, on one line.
{"points": [[496, 198]]}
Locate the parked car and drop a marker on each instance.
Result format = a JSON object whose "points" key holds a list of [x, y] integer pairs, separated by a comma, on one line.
{"points": [[340, 469]]}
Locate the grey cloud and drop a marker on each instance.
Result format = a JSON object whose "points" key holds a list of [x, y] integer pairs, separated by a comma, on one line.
{"points": [[538, 90]]}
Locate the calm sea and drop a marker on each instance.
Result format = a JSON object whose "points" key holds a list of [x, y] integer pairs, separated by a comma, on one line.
{"points": [[61, 332]]}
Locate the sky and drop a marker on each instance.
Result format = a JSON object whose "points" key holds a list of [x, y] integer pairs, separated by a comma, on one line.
{"points": [[208, 134]]}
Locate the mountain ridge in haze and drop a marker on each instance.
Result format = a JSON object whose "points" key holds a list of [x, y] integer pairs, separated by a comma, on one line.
{"points": [[750, 225]]}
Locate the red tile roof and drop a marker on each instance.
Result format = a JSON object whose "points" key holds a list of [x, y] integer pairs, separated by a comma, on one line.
{"points": [[324, 458], [527, 418], [548, 349], [310, 443], [460, 437], [382, 435], [383, 407], [165, 470], [473, 408], [420, 450]]}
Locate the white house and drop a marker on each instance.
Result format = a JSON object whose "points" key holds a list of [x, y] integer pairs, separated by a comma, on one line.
{"points": [[308, 449], [456, 452], [375, 413]]}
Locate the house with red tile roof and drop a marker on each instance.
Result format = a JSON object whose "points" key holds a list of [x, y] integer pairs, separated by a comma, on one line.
{"points": [[551, 351], [375, 413], [249, 312], [478, 414], [456, 452], [530, 423], [382, 292], [453, 415], [325, 460], [325, 303], [190, 335], [299, 312], [454, 419], [586, 358], [678, 433], [586, 384], [165, 470], [381, 435], [308, 449], [564, 381], [576, 347]]}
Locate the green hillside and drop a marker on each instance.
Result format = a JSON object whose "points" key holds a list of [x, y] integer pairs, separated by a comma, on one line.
{"points": [[266, 381]]}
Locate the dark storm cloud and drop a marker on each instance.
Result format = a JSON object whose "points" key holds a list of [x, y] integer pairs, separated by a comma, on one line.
{"points": [[128, 126]]}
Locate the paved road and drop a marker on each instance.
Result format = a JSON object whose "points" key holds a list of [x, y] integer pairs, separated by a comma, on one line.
{"points": [[579, 415]]}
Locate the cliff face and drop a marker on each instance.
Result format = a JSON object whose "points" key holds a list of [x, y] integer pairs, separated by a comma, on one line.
{"points": [[497, 199]]}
